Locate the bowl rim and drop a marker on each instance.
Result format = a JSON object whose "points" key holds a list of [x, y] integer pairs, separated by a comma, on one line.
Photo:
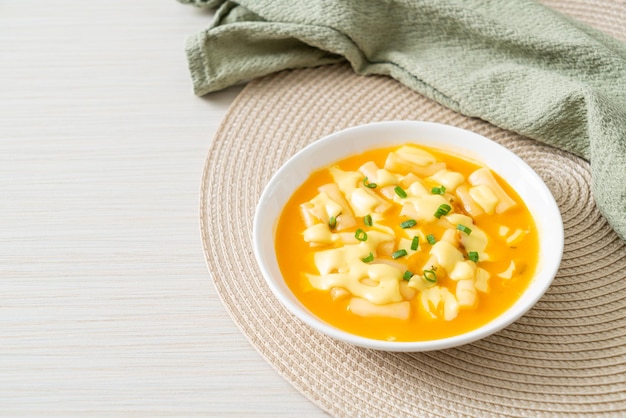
{"points": [[537, 288]]}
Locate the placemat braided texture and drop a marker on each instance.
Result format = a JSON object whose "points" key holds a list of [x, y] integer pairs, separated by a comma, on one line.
{"points": [[566, 357]]}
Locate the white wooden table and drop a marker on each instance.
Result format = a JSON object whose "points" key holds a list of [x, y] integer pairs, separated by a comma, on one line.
{"points": [[106, 305]]}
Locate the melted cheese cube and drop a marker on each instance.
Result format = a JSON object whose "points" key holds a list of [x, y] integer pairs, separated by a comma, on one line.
{"points": [[318, 234], [306, 212], [466, 293], [463, 270], [385, 178], [483, 176], [346, 219], [324, 207], [412, 164], [338, 259], [418, 283], [471, 207], [459, 218], [375, 238], [476, 241], [417, 189], [451, 308], [346, 180], [484, 196], [447, 255], [482, 280], [405, 244], [449, 179], [438, 301], [422, 209], [363, 202], [369, 170], [416, 155], [386, 279]]}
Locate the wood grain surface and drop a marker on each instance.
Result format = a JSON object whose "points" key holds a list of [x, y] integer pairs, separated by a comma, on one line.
{"points": [[106, 305]]}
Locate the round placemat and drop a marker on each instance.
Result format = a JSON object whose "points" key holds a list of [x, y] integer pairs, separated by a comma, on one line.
{"points": [[565, 357]]}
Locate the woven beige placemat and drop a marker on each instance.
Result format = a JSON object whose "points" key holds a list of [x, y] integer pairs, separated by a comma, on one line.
{"points": [[566, 357]]}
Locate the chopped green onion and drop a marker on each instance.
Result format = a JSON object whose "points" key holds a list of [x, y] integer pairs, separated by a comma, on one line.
{"points": [[369, 185], [431, 239], [332, 222], [407, 275], [430, 275], [368, 259], [438, 190], [473, 255], [415, 243], [399, 253], [408, 224], [443, 209], [367, 219], [400, 192], [463, 228], [360, 235]]}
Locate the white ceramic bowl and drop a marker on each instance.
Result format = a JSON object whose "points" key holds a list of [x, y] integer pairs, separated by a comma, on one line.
{"points": [[338, 145]]}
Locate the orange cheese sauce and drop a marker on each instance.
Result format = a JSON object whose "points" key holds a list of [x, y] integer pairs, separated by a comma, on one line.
{"points": [[295, 258]]}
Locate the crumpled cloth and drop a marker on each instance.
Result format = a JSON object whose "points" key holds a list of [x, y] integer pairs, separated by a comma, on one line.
{"points": [[516, 64]]}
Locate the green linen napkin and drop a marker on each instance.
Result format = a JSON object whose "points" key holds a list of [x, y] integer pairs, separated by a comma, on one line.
{"points": [[515, 63]]}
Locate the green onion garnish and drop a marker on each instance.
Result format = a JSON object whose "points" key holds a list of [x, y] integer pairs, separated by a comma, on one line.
{"points": [[415, 243], [463, 228], [368, 259], [431, 239], [360, 235], [407, 275], [367, 219], [399, 253], [473, 255], [430, 275], [332, 222], [442, 210], [369, 185], [438, 190], [400, 192], [408, 224]]}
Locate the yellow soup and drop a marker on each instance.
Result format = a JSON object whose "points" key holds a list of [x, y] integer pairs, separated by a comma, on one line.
{"points": [[406, 244]]}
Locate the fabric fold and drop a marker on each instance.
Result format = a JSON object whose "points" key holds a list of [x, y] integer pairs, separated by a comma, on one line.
{"points": [[516, 64]]}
